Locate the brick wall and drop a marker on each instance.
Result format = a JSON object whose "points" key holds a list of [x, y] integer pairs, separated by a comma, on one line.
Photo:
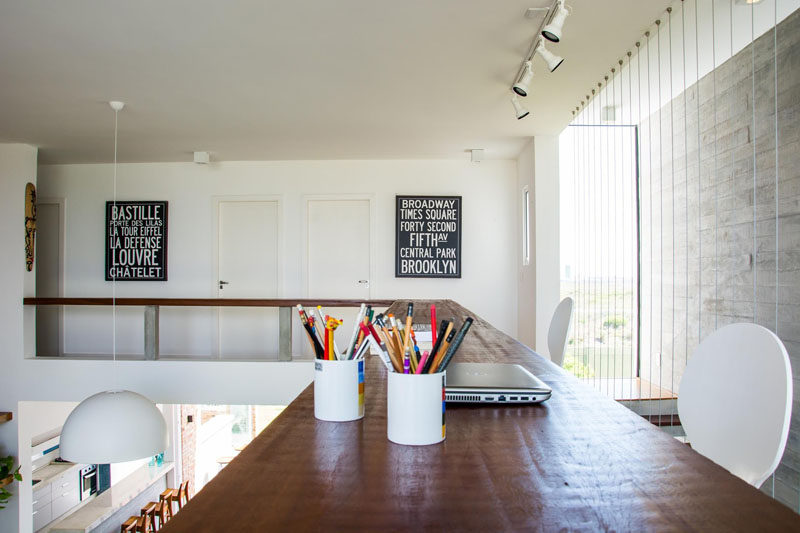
{"points": [[189, 443], [712, 259]]}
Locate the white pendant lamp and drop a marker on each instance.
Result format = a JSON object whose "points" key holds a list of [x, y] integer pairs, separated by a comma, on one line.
{"points": [[519, 109], [552, 32], [553, 61], [113, 426]]}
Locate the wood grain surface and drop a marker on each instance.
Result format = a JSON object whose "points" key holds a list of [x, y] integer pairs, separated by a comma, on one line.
{"points": [[205, 302], [577, 462]]}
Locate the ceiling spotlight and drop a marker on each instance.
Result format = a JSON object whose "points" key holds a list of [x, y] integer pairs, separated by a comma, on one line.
{"points": [[522, 86], [748, 2], [552, 32], [552, 60], [519, 109]]}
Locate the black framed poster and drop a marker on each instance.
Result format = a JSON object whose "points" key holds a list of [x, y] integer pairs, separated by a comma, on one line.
{"points": [[428, 242], [136, 241]]}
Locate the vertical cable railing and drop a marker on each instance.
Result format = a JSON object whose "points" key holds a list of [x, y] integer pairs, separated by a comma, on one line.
{"points": [[721, 223]]}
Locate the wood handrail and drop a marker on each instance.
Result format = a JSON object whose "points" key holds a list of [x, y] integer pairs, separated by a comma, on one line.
{"points": [[207, 302]]}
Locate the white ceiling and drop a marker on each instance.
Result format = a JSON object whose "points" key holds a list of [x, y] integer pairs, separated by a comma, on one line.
{"points": [[314, 79]]}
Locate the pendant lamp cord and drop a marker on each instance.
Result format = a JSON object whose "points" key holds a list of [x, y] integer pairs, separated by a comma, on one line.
{"points": [[114, 273]]}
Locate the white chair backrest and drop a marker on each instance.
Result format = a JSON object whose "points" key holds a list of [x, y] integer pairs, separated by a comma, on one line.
{"points": [[735, 400], [559, 328]]}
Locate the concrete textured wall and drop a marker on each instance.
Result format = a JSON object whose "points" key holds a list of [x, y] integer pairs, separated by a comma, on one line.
{"points": [[720, 225]]}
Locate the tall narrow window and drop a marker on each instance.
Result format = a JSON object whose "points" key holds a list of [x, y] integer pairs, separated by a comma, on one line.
{"points": [[599, 252], [526, 226]]}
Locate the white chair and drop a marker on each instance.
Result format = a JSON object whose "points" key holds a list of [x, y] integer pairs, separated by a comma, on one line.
{"points": [[735, 400], [559, 328]]}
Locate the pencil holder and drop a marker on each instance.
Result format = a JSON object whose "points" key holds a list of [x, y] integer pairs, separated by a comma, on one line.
{"points": [[415, 408], [339, 390]]}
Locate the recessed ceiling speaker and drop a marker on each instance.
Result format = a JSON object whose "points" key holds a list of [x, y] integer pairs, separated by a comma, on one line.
{"points": [[522, 87], [552, 32]]}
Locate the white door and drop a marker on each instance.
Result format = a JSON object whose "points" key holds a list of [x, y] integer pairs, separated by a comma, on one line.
{"points": [[338, 257], [248, 268], [48, 282]]}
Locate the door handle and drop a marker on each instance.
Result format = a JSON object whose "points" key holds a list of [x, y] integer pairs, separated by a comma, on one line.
{"points": [[222, 284], [363, 281]]}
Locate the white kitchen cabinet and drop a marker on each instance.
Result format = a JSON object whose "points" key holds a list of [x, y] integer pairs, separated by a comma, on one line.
{"points": [[42, 516], [56, 496], [64, 501], [42, 506]]}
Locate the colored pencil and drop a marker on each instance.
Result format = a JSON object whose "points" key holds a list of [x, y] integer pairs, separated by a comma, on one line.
{"points": [[327, 345], [323, 324], [433, 324], [409, 318], [421, 365], [396, 363], [396, 333], [451, 351], [381, 349], [362, 349], [378, 344], [352, 344], [448, 337], [397, 360], [435, 349], [312, 338]]}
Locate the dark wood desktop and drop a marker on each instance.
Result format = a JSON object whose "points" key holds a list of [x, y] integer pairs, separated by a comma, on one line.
{"points": [[579, 461]]}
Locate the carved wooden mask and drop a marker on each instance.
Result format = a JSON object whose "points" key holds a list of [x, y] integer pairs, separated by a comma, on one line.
{"points": [[30, 224]]}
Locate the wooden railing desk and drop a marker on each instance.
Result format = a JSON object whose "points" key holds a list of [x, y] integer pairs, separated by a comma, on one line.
{"points": [[152, 307], [578, 462]]}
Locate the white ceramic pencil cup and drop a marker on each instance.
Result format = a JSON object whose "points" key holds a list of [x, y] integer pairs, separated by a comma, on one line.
{"points": [[415, 408], [339, 390]]}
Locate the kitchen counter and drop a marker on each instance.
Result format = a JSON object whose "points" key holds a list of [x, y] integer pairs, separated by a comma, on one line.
{"points": [[53, 470], [104, 505]]}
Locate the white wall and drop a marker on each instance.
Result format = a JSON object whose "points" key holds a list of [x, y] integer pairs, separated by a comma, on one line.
{"points": [[17, 167], [489, 237], [548, 258], [526, 300], [539, 281], [672, 58]]}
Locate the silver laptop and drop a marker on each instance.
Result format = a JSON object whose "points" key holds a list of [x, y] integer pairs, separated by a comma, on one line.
{"points": [[493, 383]]}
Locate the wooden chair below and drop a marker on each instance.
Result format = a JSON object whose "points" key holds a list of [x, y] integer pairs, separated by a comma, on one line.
{"points": [[168, 497], [172, 496], [149, 510], [143, 524], [162, 513], [183, 494], [129, 526]]}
